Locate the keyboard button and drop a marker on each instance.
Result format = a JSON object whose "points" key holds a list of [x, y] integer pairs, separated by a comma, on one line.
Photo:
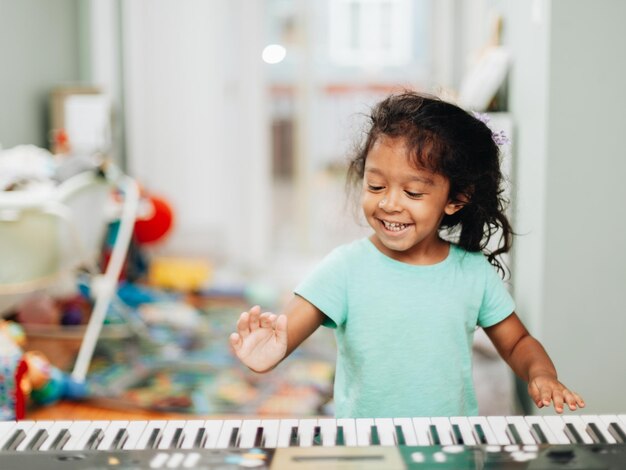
{"points": [[465, 429], [482, 430]]}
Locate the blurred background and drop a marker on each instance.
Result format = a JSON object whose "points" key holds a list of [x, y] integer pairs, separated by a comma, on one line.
{"points": [[236, 118]]}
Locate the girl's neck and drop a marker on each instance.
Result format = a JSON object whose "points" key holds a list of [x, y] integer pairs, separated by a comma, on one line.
{"points": [[423, 254]]}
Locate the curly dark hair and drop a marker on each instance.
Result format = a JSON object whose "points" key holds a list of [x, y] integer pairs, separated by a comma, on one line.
{"points": [[447, 140]]}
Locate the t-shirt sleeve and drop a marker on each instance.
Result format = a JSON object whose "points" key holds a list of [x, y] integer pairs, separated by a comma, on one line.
{"points": [[497, 303], [326, 288]]}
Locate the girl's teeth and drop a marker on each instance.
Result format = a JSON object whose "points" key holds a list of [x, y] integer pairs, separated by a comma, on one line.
{"points": [[394, 226]]}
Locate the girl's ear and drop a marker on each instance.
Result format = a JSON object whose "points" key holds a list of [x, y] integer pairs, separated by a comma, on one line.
{"points": [[454, 205]]}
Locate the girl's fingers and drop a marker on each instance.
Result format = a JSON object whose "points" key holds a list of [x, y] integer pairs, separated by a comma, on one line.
{"points": [[235, 341], [254, 313], [573, 400], [557, 397], [243, 325], [265, 320]]}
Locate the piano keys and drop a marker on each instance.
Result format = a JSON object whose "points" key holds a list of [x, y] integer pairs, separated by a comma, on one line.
{"points": [[22, 436]]}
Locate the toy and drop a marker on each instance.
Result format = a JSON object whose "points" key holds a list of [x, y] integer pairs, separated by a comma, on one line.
{"points": [[47, 384], [12, 372], [24, 374], [155, 219]]}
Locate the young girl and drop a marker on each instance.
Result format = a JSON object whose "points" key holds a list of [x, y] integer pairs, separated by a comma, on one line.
{"points": [[405, 302]]}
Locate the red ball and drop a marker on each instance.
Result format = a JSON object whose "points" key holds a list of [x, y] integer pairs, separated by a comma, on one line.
{"points": [[157, 221]]}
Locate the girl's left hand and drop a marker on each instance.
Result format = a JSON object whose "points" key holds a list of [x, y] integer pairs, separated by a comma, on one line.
{"points": [[544, 389]]}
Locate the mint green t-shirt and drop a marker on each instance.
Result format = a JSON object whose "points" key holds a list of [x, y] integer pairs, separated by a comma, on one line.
{"points": [[404, 332]]}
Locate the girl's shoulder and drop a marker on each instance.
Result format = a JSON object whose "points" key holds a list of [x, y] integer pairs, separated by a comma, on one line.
{"points": [[470, 259]]}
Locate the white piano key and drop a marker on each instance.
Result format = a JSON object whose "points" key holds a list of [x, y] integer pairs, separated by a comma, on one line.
{"points": [[466, 429], [284, 431], [484, 424], [363, 431], [11, 427], [386, 431], [24, 426], [557, 426], [270, 430], [77, 431], [608, 419], [580, 426], [53, 432], [190, 431], [110, 432], [213, 430], [328, 427], [498, 426], [522, 428], [407, 429], [93, 425], [307, 427], [135, 430], [444, 428], [349, 431], [538, 420], [5, 428], [32, 432], [248, 432], [588, 419], [146, 435], [223, 441], [623, 420], [422, 433], [169, 431]]}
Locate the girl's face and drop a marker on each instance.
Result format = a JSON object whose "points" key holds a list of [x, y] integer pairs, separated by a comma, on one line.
{"points": [[404, 205]]}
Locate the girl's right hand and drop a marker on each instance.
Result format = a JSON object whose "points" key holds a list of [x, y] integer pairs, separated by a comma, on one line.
{"points": [[261, 339]]}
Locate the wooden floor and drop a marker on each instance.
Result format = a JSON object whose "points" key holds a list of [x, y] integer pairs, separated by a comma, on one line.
{"points": [[86, 410]]}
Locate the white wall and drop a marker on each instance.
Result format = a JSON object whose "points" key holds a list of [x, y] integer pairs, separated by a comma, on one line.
{"points": [[567, 96], [197, 128]]}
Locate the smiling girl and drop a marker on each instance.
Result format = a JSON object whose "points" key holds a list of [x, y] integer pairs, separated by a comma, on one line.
{"points": [[405, 301]]}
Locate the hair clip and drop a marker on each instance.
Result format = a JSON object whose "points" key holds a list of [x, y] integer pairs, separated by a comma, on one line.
{"points": [[499, 137]]}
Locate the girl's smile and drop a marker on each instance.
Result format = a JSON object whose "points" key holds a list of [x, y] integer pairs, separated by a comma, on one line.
{"points": [[404, 205]]}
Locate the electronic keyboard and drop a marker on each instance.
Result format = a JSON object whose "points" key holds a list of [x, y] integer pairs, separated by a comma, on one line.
{"points": [[571, 441]]}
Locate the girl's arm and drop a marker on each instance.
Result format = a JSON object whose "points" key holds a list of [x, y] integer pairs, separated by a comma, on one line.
{"points": [[529, 360], [263, 340]]}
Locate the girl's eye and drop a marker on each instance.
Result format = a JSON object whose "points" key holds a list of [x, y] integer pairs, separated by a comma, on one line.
{"points": [[374, 188], [413, 195]]}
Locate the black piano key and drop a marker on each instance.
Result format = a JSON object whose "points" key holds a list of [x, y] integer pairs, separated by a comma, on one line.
{"points": [[177, 439], [60, 440], [94, 440], [317, 436], [200, 439], [617, 432], [400, 440], [513, 434], [234, 437], [259, 437], [38, 439], [481, 438], [456, 433], [339, 438], [294, 439], [374, 436], [155, 439], [121, 436], [596, 434], [434, 435], [538, 434], [572, 434], [15, 440]]}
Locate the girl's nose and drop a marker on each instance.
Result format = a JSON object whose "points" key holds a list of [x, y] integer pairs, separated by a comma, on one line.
{"points": [[388, 204]]}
